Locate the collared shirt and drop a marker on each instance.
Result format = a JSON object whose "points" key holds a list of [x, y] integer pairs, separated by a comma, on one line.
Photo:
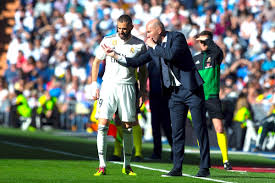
{"points": [[174, 80]]}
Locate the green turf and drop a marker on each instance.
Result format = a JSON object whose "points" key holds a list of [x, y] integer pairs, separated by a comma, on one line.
{"points": [[41, 159]]}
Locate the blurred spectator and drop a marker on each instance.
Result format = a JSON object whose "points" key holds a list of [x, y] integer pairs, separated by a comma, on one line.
{"points": [[60, 5], [269, 62], [43, 71], [43, 6], [4, 102], [21, 59], [241, 114], [156, 8], [47, 113], [268, 125], [11, 74]]}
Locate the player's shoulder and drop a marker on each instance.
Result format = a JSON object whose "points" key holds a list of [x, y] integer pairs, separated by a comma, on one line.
{"points": [[197, 55], [112, 36], [136, 39]]}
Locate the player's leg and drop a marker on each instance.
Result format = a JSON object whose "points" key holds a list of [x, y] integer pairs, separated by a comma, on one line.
{"points": [[127, 114], [106, 107], [137, 140], [214, 109], [127, 147], [222, 142], [103, 125], [118, 141], [117, 146]]}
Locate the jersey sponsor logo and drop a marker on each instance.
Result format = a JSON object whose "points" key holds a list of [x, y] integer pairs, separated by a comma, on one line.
{"points": [[113, 60]]}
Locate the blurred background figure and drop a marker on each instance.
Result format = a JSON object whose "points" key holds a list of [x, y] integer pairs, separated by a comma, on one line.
{"points": [[160, 119], [267, 129]]}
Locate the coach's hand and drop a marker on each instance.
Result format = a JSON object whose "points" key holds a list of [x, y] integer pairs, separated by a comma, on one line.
{"points": [[150, 42], [95, 91]]}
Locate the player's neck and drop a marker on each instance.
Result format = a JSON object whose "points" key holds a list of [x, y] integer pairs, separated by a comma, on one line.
{"points": [[128, 38]]}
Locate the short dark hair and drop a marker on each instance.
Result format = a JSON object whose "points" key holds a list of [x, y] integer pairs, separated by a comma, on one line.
{"points": [[125, 18], [207, 33]]}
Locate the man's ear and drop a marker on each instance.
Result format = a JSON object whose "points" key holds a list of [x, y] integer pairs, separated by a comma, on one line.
{"points": [[160, 31]]}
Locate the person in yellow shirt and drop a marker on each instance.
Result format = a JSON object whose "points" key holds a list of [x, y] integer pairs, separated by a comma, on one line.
{"points": [[241, 114]]}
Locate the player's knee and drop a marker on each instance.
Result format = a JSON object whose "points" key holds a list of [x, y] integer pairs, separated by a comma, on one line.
{"points": [[219, 129], [103, 128]]}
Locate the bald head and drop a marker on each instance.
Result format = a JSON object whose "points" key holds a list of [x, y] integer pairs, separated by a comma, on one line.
{"points": [[155, 30], [156, 23]]}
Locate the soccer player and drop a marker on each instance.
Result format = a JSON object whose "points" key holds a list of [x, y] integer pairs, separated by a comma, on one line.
{"points": [[117, 92]]}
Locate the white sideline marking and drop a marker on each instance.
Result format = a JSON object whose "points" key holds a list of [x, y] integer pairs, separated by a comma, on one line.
{"points": [[91, 158], [48, 150], [166, 171]]}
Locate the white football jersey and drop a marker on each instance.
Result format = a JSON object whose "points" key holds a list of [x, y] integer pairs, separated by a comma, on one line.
{"points": [[115, 72]]}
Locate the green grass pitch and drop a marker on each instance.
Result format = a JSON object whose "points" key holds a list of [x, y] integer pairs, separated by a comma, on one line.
{"points": [[44, 157]]}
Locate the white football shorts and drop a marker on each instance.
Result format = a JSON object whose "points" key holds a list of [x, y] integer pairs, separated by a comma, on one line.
{"points": [[117, 97]]}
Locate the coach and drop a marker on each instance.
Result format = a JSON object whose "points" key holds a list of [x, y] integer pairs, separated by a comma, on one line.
{"points": [[183, 85]]}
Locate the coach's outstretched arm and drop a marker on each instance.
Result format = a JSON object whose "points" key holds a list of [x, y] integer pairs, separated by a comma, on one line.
{"points": [[126, 61]]}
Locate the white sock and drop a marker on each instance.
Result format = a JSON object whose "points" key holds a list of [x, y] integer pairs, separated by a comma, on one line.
{"points": [[102, 144], [127, 145]]}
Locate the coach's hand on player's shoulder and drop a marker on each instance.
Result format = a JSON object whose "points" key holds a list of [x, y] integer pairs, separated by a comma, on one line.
{"points": [[95, 91]]}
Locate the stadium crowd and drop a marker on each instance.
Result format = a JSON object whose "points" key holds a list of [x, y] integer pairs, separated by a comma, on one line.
{"points": [[54, 43]]}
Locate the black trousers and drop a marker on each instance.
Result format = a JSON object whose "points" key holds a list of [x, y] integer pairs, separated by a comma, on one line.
{"points": [[267, 127], [238, 135], [180, 102], [160, 120]]}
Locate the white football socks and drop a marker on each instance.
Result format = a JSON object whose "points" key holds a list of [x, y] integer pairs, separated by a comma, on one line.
{"points": [[102, 144], [127, 145]]}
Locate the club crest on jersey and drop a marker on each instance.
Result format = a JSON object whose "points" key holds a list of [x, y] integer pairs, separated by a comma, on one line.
{"points": [[132, 50], [114, 43], [208, 63]]}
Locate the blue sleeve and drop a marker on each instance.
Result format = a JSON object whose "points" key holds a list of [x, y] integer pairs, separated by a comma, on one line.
{"points": [[139, 60], [179, 45]]}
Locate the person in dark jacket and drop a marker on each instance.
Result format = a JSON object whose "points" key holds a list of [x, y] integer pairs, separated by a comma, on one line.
{"points": [[159, 111]]}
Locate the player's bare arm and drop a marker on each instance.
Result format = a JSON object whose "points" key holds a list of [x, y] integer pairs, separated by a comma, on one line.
{"points": [[95, 69], [142, 78]]}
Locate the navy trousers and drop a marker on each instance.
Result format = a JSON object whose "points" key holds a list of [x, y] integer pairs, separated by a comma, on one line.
{"points": [[181, 100]]}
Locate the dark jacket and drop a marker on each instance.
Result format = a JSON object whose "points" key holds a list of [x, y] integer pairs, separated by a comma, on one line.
{"points": [[177, 55]]}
